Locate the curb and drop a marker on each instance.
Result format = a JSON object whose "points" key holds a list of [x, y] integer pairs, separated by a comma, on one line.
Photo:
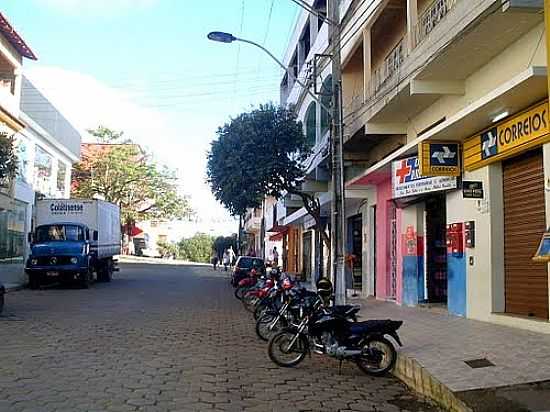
{"points": [[13, 288], [416, 377]]}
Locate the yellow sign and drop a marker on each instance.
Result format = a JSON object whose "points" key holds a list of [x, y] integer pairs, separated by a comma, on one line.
{"points": [[508, 138], [439, 158]]}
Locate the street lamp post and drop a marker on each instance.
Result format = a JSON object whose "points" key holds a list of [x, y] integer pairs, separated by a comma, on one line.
{"points": [[338, 228]]}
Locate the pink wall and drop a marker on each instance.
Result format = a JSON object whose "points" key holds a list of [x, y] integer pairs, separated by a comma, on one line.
{"points": [[383, 237], [399, 296]]}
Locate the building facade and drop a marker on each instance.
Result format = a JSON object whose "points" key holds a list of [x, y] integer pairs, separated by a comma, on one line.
{"points": [[449, 120], [46, 145]]}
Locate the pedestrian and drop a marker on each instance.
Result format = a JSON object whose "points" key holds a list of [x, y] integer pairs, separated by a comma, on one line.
{"points": [[226, 259], [232, 257], [275, 257], [214, 260]]}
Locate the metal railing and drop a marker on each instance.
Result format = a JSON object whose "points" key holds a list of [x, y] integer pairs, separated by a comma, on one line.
{"points": [[392, 64], [433, 15]]}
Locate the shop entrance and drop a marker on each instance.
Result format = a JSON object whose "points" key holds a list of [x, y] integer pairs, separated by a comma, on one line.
{"points": [[526, 282], [307, 254], [436, 249], [357, 251]]}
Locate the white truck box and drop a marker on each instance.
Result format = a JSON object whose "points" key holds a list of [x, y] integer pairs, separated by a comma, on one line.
{"points": [[99, 215]]}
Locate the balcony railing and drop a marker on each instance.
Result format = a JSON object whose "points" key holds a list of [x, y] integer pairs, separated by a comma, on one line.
{"points": [[435, 13], [392, 64]]}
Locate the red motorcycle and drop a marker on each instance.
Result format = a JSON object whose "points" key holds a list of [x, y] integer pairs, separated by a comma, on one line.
{"points": [[244, 284]]}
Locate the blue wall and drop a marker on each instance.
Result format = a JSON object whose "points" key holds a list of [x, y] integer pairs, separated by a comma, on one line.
{"points": [[456, 285], [413, 279]]}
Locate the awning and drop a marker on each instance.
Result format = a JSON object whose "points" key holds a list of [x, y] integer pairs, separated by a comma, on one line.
{"points": [[278, 236], [131, 230]]}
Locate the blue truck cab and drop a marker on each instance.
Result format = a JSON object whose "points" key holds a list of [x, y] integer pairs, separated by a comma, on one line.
{"points": [[73, 240], [61, 251]]}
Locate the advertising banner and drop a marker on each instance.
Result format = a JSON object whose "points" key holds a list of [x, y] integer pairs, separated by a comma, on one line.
{"points": [[407, 181]]}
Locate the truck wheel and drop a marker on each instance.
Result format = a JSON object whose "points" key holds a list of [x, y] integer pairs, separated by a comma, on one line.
{"points": [[86, 281], [34, 281], [105, 274]]}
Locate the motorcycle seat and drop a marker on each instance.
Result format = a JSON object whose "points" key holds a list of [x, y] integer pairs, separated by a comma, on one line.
{"points": [[385, 325]]}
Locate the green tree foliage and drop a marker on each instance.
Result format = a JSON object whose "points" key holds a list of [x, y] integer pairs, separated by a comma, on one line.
{"points": [[196, 249], [8, 159], [122, 173], [167, 249], [258, 153], [222, 243]]}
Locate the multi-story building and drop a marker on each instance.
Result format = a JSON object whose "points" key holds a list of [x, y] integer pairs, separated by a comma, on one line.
{"points": [[46, 146], [449, 117]]}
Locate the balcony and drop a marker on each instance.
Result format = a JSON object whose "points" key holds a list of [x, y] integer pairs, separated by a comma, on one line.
{"points": [[431, 17], [391, 65]]}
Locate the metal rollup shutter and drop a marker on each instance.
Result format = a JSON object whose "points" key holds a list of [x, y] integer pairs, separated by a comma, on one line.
{"points": [[526, 282]]}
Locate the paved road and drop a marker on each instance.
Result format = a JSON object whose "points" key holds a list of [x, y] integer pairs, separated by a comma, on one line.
{"points": [[163, 338]]}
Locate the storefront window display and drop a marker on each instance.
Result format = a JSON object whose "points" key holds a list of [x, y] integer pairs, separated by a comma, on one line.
{"points": [[12, 230]]}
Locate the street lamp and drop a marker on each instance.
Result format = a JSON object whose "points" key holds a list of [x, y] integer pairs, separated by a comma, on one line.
{"points": [[222, 37]]}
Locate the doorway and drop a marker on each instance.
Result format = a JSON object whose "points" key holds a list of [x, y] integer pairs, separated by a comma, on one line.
{"points": [[307, 254], [357, 252], [436, 249]]}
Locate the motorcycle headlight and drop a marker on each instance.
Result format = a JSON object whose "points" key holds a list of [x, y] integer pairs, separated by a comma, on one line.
{"points": [[34, 262], [74, 260]]}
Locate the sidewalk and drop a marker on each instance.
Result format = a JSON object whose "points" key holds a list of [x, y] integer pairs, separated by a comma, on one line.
{"points": [[157, 261], [436, 346]]}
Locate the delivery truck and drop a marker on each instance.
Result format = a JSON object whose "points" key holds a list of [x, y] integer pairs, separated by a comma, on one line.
{"points": [[73, 240]]}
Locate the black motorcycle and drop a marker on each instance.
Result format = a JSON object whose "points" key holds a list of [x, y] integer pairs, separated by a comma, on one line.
{"points": [[332, 333]]}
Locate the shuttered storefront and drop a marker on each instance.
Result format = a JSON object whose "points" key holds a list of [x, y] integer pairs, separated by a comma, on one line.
{"points": [[526, 282]]}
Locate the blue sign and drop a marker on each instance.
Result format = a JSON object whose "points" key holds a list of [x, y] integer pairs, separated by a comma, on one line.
{"points": [[489, 143], [443, 154]]}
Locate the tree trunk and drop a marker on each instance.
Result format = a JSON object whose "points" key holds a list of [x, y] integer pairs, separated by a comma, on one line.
{"points": [[313, 208]]}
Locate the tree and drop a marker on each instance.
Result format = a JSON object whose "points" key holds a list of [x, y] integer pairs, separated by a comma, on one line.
{"points": [[167, 249], [258, 153], [196, 249], [122, 173], [222, 243], [8, 159]]}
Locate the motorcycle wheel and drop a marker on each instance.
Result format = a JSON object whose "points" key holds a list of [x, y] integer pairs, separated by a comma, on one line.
{"points": [[260, 309], [263, 325], [239, 292], [249, 303], [283, 355], [379, 357]]}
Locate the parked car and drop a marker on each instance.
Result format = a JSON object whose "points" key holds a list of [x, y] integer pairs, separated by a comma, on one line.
{"points": [[243, 267]]}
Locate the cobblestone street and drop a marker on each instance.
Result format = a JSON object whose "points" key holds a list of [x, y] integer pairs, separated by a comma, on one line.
{"points": [[164, 338]]}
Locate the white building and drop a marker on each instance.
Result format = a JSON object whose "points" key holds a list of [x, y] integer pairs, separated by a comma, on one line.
{"points": [[47, 145]]}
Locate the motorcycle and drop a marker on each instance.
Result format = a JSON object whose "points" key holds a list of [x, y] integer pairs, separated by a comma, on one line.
{"points": [[331, 333]]}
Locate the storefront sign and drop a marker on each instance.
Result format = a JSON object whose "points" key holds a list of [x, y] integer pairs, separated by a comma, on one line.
{"points": [[508, 138], [407, 181], [439, 158], [472, 190]]}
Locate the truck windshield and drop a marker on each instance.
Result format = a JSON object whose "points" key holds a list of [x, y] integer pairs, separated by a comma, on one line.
{"points": [[59, 232]]}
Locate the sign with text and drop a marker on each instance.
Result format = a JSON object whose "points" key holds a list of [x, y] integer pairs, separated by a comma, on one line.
{"points": [[508, 138], [472, 189], [407, 180], [439, 158]]}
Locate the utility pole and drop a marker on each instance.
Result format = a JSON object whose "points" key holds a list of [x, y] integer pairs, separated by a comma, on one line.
{"points": [[338, 217]]}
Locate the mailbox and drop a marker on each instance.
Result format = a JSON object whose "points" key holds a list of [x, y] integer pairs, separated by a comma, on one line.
{"points": [[470, 234], [455, 239]]}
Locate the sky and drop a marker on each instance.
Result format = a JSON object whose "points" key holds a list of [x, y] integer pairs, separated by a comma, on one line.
{"points": [[146, 67]]}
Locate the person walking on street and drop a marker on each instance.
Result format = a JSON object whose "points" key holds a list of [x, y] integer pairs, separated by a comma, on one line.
{"points": [[232, 257], [275, 257], [214, 260], [226, 259]]}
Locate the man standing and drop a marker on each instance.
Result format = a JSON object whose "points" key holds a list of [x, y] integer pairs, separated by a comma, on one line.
{"points": [[275, 257]]}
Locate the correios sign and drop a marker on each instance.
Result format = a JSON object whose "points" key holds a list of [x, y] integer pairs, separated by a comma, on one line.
{"points": [[508, 138], [407, 180]]}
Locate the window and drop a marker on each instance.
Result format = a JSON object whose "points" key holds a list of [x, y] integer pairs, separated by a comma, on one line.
{"points": [[326, 99], [52, 233], [311, 124], [61, 174], [13, 216], [42, 171], [321, 7], [22, 149]]}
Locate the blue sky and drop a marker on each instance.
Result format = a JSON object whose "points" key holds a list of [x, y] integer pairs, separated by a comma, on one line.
{"points": [[145, 66]]}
